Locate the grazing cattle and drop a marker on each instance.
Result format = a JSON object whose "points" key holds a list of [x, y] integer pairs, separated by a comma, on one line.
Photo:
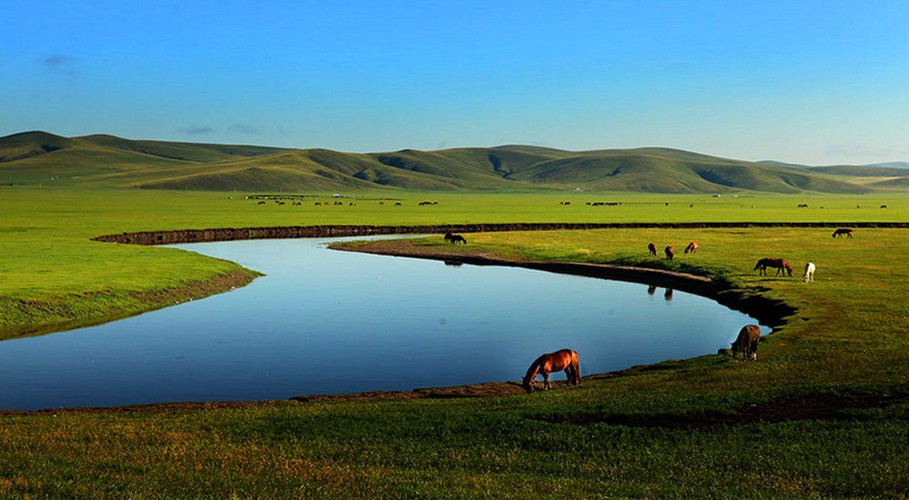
{"points": [[746, 343], [381, 203], [883, 206], [260, 203], [397, 203], [669, 252], [652, 249], [566, 360], [840, 232], [691, 205], [779, 264], [803, 205], [318, 204], [808, 277], [692, 247]]}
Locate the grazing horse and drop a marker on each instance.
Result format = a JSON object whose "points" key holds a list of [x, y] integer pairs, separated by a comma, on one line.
{"points": [[566, 360], [779, 264], [747, 342], [808, 277], [843, 231], [692, 247], [669, 252], [652, 248]]}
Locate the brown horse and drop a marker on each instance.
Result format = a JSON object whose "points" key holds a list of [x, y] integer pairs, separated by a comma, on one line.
{"points": [[669, 252], [566, 360], [652, 249], [779, 264], [747, 342], [843, 231], [692, 247]]}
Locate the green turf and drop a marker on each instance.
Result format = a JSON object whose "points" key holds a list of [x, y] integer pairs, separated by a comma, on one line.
{"points": [[849, 338]]}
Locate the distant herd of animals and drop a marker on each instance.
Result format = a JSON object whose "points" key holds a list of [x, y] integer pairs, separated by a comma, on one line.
{"points": [[263, 200]]}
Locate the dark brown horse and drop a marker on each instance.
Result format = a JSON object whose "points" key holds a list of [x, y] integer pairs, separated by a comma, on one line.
{"points": [[454, 239], [669, 252], [779, 264], [566, 360], [652, 249], [843, 231], [747, 342], [692, 247]]}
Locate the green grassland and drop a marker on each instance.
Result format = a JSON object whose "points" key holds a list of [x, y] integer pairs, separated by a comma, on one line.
{"points": [[43, 159], [830, 389]]}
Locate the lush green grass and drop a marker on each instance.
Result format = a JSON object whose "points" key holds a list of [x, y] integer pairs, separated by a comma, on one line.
{"points": [[52, 273], [39, 158], [849, 337]]}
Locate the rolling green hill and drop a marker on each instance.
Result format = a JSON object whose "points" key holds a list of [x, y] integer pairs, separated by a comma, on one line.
{"points": [[40, 158]]}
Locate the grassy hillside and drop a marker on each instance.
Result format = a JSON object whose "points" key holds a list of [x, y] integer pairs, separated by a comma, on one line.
{"points": [[39, 158]]}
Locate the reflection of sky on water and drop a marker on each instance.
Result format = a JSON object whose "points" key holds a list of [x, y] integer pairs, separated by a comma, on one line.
{"points": [[323, 321]]}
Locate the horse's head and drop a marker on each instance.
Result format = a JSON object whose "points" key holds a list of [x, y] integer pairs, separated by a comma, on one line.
{"points": [[787, 266], [758, 265], [528, 385]]}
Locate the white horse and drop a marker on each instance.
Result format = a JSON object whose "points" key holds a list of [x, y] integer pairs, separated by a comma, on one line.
{"points": [[808, 277]]}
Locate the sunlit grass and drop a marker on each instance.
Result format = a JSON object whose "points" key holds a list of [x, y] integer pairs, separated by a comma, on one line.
{"points": [[850, 335]]}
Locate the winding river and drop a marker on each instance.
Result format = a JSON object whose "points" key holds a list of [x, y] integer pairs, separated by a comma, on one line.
{"points": [[323, 321]]}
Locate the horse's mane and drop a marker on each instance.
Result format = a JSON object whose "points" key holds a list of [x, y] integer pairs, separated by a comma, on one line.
{"points": [[534, 367]]}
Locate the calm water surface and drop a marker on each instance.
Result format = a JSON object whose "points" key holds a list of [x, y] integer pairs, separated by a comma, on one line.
{"points": [[323, 321]]}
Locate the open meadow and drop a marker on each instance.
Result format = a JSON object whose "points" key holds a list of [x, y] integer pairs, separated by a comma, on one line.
{"points": [[823, 412]]}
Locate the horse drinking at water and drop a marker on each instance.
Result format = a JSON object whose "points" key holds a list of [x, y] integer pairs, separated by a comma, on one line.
{"points": [[746, 343], [566, 360], [779, 264]]}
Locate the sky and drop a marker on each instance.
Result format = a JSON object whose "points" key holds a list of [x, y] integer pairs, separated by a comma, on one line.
{"points": [[797, 81]]}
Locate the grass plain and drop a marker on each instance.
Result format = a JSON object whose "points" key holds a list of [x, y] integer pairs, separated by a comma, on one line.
{"points": [[822, 413]]}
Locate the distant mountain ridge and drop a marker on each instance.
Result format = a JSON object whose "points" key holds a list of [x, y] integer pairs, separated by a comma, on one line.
{"points": [[41, 158], [890, 164]]}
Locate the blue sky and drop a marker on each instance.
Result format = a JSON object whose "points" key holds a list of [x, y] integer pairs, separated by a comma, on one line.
{"points": [[810, 82]]}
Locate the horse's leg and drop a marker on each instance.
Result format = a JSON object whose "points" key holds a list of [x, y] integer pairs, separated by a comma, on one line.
{"points": [[546, 385]]}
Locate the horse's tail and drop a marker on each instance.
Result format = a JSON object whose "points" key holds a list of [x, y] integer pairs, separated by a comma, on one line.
{"points": [[575, 368]]}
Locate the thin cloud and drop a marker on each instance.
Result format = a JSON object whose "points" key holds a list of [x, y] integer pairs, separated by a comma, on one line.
{"points": [[243, 128], [56, 61], [197, 130]]}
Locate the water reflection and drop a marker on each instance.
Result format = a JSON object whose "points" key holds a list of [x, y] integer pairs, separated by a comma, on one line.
{"points": [[322, 321], [667, 294]]}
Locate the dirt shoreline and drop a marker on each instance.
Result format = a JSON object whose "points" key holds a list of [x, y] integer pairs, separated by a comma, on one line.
{"points": [[278, 232]]}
